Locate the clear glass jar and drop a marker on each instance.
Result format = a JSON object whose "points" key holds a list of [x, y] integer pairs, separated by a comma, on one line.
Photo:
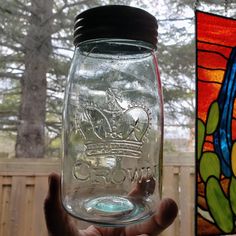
{"points": [[112, 132]]}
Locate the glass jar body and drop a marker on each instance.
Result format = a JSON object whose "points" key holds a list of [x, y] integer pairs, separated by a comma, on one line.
{"points": [[112, 133]]}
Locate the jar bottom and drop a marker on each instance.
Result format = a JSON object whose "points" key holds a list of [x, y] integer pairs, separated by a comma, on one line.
{"points": [[109, 206], [109, 210]]}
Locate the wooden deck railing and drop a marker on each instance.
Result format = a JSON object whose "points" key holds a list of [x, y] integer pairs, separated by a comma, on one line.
{"points": [[23, 187]]}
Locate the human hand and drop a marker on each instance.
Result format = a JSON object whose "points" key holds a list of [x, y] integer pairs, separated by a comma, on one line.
{"points": [[59, 223]]}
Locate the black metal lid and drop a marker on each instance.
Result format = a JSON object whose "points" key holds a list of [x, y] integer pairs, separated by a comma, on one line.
{"points": [[115, 21]]}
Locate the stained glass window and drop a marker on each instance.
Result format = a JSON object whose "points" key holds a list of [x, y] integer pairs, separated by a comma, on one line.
{"points": [[216, 124]]}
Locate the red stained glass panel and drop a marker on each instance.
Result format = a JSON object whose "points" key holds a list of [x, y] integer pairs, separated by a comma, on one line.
{"points": [[216, 125]]}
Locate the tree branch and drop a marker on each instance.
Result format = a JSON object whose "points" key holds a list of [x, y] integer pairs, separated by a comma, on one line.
{"points": [[15, 69], [9, 75], [62, 38], [10, 92], [8, 45], [6, 114], [61, 55], [11, 13], [177, 19], [24, 7], [5, 10], [8, 129], [63, 48], [66, 5]]}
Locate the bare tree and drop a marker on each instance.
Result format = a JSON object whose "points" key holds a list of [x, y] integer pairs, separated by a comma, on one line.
{"points": [[38, 47]]}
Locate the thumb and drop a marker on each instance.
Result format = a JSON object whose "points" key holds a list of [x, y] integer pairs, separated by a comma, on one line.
{"points": [[57, 220]]}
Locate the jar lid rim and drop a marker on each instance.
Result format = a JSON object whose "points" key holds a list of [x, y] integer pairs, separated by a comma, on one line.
{"points": [[115, 21]]}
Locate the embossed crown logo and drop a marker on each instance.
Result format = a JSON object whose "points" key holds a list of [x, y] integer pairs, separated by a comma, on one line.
{"points": [[115, 129]]}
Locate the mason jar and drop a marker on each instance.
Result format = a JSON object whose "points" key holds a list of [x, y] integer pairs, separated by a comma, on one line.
{"points": [[113, 118]]}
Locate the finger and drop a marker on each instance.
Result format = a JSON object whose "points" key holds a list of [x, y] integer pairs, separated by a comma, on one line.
{"points": [[52, 208], [57, 220], [168, 211], [54, 187], [52, 204], [90, 231], [143, 188], [165, 215]]}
